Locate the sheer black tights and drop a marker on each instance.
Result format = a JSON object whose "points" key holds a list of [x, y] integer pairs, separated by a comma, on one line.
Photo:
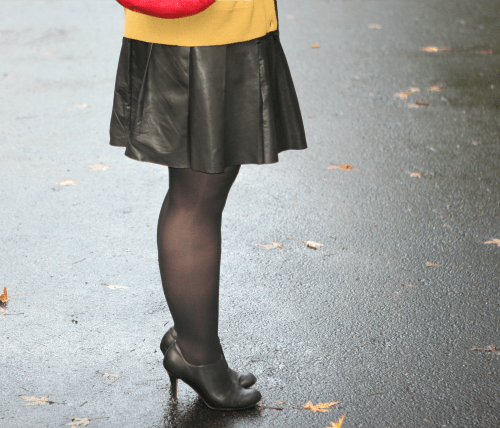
{"points": [[189, 251]]}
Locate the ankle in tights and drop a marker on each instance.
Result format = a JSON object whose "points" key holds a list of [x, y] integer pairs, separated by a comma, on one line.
{"points": [[189, 252]]}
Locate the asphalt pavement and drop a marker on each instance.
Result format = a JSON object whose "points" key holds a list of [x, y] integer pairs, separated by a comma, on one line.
{"points": [[383, 317]]}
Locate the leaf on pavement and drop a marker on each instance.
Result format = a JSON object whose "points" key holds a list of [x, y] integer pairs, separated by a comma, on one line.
{"points": [[403, 95], [3, 297], [320, 407], [314, 244], [339, 423], [114, 287], [112, 377], [416, 174], [491, 348], [100, 167], [315, 45], [79, 421], [409, 285], [345, 167], [494, 241], [415, 89], [422, 103], [434, 88], [435, 48], [66, 183], [33, 401], [429, 264], [375, 26], [270, 246]]}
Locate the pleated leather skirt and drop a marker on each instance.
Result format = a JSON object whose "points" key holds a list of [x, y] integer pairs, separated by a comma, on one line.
{"points": [[206, 107]]}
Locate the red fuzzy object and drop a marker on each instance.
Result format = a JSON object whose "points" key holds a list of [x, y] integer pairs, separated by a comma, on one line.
{"points": [[167, 8]]}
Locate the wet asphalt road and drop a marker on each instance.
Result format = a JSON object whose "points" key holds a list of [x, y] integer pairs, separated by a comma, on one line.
{"points": [[333, 324]]}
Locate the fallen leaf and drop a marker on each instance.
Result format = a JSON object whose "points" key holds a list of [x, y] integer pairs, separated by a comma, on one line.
{"points": [[100, 167], [412, 106], [428, 264], [416, 174], [346, 167], [33, 401], [66, 183], [403, 95], [315, 45], [376, 26], [491, 348], [79, 421], [434, 88], [409, 285], [415, 89], [422, 103], [320, 407], [106, 375], [314, 244], [435, 48], [3, 297], [270, 246], [494, 241], [339, 423], [114, 287]]}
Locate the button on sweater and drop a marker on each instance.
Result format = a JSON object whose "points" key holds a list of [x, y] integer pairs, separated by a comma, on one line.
{"points": [[223, 22]]}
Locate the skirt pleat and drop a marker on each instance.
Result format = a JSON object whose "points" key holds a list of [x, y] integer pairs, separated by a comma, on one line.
{"points": [[206, 107]]}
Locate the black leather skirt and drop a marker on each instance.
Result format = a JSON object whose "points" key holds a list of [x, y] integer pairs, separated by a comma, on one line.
{"points": [[206, 107]]}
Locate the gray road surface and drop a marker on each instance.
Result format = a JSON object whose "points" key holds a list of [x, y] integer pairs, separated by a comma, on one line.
{"points": [[333, 324]]}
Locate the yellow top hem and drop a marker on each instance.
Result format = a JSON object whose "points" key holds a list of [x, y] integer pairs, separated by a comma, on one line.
{"points": [[221, 23]]}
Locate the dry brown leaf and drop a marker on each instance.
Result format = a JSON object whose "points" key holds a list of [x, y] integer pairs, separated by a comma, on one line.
{"points": [[339, 423], [416, 174], [409, 285], [435, 48], [100, 167], [415, 89], [314, 244], [491, 348], [320, 407], [434, 88], [422, 103], [114, 287], [428, 264], [315, 45], [493, 241], [345, 167], [3, 297], [376, 26], [33, 401], [270, 246], [403, 95]]}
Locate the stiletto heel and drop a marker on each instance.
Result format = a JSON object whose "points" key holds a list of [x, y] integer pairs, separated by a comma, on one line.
{"points": [[173, 387], [244, 379], [211, 382]]}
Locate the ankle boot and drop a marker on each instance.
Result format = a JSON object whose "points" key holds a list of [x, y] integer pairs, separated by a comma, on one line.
{"points": [[245, 379], [210, 381]]}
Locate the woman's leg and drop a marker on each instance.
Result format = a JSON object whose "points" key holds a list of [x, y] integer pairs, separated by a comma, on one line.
{"points": [[189, 250]]}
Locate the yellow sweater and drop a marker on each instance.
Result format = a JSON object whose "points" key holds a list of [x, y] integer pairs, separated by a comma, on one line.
{"points": [[221, 23]]}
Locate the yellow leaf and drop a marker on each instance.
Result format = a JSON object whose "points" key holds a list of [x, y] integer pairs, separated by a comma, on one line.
{"points": [[493, 241], [339, 423], [269, 246], [416, 174], [33, 401], [346, 167], [320, 407], [100, 167], [415, 89], [315, 45], [314, 244], [403, 95], [428, 264], [435, 48], [3, 297]]}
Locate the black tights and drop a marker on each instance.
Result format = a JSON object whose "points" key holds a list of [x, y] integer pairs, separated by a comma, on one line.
{"points": [[189, 251]]}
